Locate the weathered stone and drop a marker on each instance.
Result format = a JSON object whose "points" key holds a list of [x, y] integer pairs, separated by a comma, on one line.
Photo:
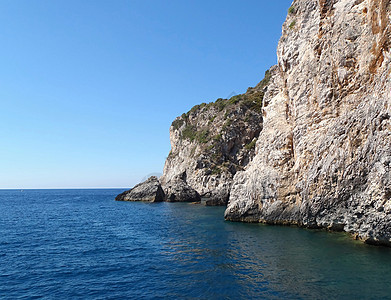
{"points": [[218, 197], [323, 157], [311, 144], [149, 190], [213, 141], [177, 190]]}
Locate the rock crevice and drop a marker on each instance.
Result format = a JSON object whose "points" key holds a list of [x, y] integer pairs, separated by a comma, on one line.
{"points": [[322, 158], [310, 145]]}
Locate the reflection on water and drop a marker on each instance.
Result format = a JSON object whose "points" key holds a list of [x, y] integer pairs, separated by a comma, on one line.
{"points": [[83, 244], [257, 259]]}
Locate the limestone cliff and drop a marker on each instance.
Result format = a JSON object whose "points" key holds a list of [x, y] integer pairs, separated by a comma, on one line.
{"points": [[212, 142], [309, 145], [323, 157]]}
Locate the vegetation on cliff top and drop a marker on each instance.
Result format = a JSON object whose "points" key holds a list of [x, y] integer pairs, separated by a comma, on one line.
{"points": [[252, 100], [292, 10], [223, 130], [227, 113]]}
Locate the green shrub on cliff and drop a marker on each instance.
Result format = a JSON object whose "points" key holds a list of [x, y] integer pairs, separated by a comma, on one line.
{"points": [[227, 124], [177, 123], [196, 108], [216, 171], [292, 24], [212, 118], [251, 145], [233, 100], [189, 132], [203, 136], [217, 137], [220, 104], [254, 101], [266, 79]]}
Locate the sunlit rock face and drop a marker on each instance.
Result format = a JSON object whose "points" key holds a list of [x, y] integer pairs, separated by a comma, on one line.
{"points": [[212, 142], [148, 191], [322, 159], [310, 145]]}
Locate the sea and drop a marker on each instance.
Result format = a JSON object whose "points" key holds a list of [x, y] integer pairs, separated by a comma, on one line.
{"points": [[81, 244]]}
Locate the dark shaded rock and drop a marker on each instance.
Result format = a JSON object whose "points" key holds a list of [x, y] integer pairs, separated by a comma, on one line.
{"points": [[217, 198], [149, 190], [177, 190], [214, 201]]}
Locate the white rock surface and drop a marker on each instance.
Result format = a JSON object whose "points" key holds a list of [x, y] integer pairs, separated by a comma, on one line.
{"points": [[323, 156]]}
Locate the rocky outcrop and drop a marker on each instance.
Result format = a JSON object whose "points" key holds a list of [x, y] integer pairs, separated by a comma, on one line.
{"points": [[213, 141], [323, 157], [310, 145], [177, 190], [150, 191]]}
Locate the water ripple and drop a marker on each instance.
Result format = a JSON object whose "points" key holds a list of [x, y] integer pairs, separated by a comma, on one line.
{"points": [[80, 244]]}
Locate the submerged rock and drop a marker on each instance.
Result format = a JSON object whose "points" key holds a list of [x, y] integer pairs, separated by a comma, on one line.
{"points": [[149, 190]]}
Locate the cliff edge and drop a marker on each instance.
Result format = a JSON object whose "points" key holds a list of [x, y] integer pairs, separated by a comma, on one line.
{"points": [[310, 145], [213, 141], [323, 157]]}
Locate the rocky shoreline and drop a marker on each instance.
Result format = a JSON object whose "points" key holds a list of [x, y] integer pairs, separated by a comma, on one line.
{"points": [[151, 190], [310, 145]]}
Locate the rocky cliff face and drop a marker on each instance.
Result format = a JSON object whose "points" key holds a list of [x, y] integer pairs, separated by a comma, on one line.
{"points": [[323, 157], [212, 142], [311, 144]]}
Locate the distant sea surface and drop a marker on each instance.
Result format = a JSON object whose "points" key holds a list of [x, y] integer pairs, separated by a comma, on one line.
{"points": [[81, 244]]}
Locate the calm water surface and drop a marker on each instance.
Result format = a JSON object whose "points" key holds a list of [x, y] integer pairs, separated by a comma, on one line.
{"points": [[70, 244]]}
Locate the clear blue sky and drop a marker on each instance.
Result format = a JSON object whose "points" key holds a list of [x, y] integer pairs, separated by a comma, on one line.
{"points": [[88, 89]]}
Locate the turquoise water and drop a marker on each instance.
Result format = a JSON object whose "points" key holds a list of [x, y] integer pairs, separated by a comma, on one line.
{"points": [[81, 244]]}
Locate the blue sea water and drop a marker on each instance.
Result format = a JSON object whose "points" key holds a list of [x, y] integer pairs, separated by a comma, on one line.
{"points": [[81, 244]]}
